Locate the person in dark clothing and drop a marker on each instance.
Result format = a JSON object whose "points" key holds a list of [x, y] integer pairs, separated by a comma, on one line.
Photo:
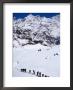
{"points": [[23, 70]]}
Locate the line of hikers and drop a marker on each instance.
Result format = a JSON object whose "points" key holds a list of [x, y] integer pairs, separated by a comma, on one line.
{"points": [[39, 74]]}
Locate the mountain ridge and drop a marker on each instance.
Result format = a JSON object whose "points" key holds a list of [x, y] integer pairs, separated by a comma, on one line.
{"points": [[35, 29]]}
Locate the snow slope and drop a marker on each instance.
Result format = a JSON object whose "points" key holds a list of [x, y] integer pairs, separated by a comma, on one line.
{"points": [[30, 58]]}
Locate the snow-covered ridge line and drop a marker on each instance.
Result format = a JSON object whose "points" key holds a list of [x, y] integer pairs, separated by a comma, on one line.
{"points": [[35, 29]]}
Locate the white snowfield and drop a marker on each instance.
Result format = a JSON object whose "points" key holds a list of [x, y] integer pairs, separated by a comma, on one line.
{"points": [[30, 58], [42, 56]]}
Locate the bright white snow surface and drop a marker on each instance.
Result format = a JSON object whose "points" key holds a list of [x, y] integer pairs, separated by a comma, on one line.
{"points": [[30, 58]]}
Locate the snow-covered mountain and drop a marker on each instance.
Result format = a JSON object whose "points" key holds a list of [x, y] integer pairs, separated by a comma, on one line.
{"points": [[32, 37], [35, 29]]}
